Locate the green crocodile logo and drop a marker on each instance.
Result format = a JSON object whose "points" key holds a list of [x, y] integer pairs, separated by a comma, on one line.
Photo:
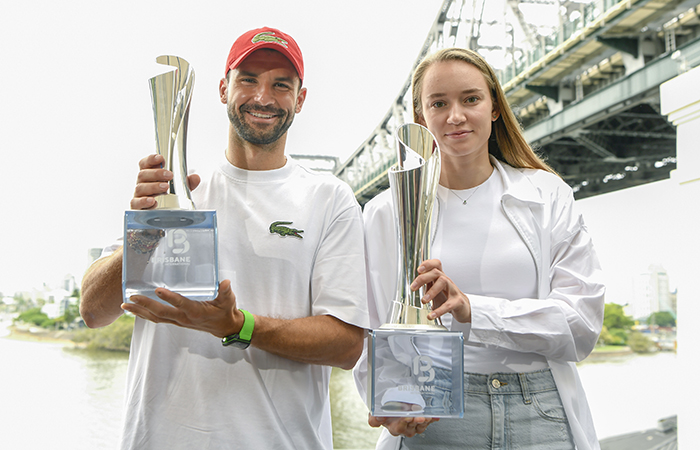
{"points": [[280, 228], [268, 36]]}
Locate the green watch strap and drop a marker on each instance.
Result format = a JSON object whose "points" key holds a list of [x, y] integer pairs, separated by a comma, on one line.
{"points": [[246, 332]]}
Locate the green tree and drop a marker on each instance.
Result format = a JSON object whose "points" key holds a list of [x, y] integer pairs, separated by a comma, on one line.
{"points": [[69, 315], [116, 336], [640, 343], [612, 337], [615, 317], [662, 319], [616, 326], [35, 316], [22, 303]]}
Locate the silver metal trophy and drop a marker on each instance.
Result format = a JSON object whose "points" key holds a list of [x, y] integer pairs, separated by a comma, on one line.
{"points": [[170, 97], [172, 246], [413, 182], [416, 365]]}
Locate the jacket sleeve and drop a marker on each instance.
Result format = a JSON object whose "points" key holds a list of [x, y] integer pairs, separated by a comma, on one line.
{"points": [[566, 323]]}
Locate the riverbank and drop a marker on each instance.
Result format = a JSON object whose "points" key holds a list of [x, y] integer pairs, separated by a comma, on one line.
{"points": [[600, 354], [31, 333], [617, 353], [115, 337], [86, 338], [21, 331]]}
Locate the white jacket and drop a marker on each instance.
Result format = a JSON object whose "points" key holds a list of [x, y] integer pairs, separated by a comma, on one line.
{"points": [[570, 293]]}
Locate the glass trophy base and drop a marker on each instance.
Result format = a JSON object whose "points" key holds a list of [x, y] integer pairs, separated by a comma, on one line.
{"points": [[172, 249], [415, 373]]}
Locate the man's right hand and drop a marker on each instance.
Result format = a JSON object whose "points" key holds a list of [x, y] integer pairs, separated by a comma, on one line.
{"points": [[152, 181]]}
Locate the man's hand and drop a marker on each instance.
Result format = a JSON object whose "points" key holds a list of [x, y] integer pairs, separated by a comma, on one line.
{"points": [[402, 426], [152, 181], [219, 317], [321, 339], [444, 293]]}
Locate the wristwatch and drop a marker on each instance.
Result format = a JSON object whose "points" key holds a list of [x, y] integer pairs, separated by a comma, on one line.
{"points": [[242, 338]]}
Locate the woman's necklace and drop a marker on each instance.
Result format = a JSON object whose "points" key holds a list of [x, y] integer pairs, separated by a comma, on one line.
{"points": [[464, 201]]}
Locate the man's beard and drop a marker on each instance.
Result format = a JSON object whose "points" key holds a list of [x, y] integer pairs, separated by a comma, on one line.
{"points": [[249, 134]]}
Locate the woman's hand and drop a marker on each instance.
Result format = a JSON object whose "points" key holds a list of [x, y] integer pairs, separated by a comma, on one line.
{"points": [[402, 426], [444, 293]]}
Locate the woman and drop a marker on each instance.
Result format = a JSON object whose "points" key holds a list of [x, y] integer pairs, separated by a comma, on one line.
{"points": [[515, 270]]}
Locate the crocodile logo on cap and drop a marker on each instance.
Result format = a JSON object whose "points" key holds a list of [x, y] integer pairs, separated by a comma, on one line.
{"points": [[269, 36]]}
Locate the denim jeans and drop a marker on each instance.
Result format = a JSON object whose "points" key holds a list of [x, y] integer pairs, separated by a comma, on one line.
{"points": [[502, 411]]}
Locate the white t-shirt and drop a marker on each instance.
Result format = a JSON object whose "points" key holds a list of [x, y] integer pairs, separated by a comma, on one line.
{"points": [[185, 390], [483, 254]]}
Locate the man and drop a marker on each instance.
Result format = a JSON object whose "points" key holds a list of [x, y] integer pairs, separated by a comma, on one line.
{"points": [[305, 289]]}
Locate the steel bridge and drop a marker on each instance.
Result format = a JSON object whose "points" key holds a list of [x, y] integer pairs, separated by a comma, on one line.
{"points": [[585, 85]]}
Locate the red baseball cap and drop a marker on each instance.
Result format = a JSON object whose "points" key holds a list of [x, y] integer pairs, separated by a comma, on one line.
{"points": [[265, 38]]}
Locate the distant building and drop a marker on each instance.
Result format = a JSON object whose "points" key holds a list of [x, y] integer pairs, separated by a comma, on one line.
{"points": [[674, 302], [93, 254], [52, 310], [68, 283], [57, 300], [652, 293]]}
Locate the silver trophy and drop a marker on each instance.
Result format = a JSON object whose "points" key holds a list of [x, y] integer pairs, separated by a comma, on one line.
{"points": [[173, 245], [415, 364], [413, 182], [171, 93]]}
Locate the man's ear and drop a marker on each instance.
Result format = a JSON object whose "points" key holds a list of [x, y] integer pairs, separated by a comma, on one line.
{"points": [[223, 90], [301, 97]]}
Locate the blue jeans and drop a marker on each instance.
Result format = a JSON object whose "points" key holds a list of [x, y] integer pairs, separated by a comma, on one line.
{"points": [[502, 411]]}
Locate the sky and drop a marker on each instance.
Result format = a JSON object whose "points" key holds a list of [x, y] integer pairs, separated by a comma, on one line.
{"points": [[75, 118], [75, 115]]}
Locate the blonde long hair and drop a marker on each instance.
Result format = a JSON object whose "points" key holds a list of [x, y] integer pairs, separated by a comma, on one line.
{"points": [[507, 142]]}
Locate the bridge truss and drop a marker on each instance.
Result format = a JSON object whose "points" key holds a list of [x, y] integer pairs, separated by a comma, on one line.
{"points": [[582, 76]]}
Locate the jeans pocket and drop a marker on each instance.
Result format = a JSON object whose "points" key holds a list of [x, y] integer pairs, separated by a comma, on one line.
{"points": [[439, 398], [548, 405]]}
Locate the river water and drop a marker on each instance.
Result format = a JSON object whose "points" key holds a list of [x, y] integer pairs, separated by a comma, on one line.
{"points": [[55, 397]]}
